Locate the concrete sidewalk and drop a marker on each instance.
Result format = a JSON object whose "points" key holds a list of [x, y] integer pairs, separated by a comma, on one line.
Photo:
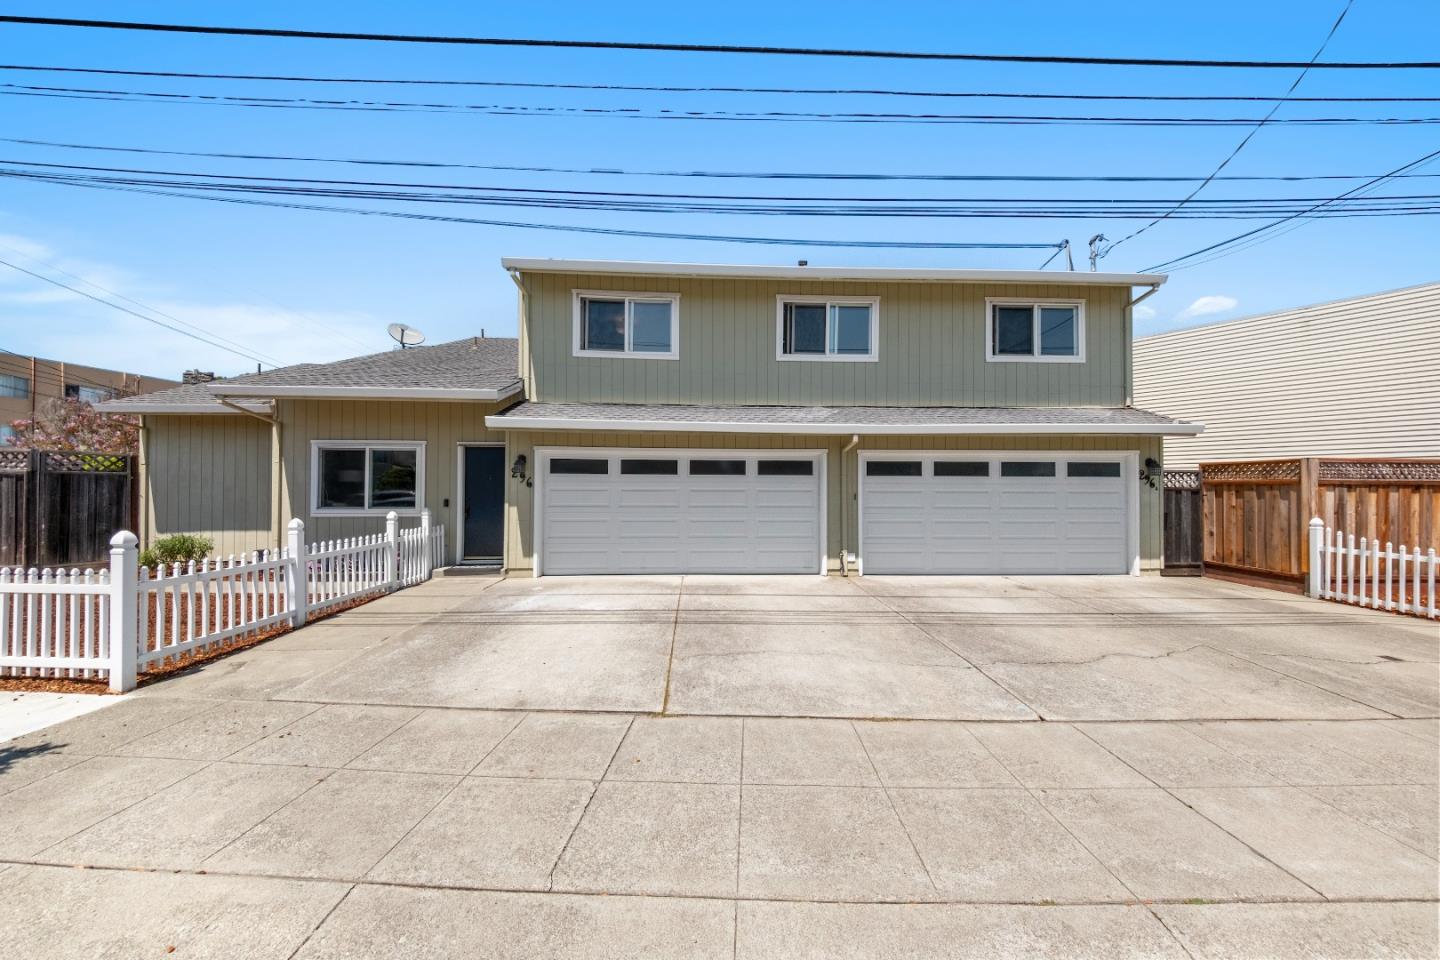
{"points": [[451, 772]]}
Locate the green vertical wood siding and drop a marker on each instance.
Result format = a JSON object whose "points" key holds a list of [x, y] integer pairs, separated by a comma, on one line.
{"points": [[931, 347], [208, 475]]}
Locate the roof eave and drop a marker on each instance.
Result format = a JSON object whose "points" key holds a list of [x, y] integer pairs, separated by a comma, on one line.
{"points": [[640, 268], [367, 393], [503, 422], [120, 406]]}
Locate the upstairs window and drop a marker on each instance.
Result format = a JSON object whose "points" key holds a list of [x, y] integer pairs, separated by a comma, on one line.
{"points": [[820, 328], [642, 325], [1046, 331]]}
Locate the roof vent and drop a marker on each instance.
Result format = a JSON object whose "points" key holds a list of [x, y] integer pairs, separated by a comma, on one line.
{"points": [[197, 376]]}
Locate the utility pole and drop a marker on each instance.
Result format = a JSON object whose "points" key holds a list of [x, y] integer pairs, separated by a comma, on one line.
{"points": [[1095, 249]]}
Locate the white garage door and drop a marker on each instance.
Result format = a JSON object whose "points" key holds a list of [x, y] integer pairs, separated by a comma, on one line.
{"points": [[1000, 514], [679, 511]]}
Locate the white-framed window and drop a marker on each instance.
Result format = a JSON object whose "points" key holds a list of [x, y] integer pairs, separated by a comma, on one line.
{"points": [[92, 395], [366, 477], [827, 328], [643, 326], [1034, 331]]}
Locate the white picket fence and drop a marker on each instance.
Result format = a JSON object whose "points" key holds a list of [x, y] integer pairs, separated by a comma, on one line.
{"points": [[115, 623], [1368, 575]]}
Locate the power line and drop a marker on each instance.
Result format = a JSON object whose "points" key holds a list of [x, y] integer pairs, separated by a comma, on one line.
{"points": [[703, 174], [573, 228], [1265, 228], [660, 113], [144, 306], [124, 309], [652, 88], [697, 47], [1241, 145], [671, 202]]}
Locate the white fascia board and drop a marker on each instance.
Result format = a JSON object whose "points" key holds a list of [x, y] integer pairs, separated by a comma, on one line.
{"points": [[367, 393], [642, 268], [188, 409], [502, 422]]}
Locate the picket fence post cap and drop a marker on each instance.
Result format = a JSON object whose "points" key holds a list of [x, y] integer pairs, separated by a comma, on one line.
{"points": [[392, 515], [295, 524], [124, 539], [1316, 522]]}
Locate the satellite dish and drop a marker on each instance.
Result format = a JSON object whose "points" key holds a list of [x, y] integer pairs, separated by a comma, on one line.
{"points": [[405, 335]]}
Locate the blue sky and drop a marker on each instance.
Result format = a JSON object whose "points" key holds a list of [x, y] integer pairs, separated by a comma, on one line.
{"points": [[303, 286]]}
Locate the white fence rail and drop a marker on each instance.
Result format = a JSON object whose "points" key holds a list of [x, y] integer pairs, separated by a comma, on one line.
{"points": [[1368, 574], [116, 622]]}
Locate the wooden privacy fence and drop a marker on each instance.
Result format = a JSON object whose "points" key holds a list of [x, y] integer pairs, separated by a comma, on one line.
{"points": [[61, 508], [1183, 543], [117, 622], [1256, 513]]}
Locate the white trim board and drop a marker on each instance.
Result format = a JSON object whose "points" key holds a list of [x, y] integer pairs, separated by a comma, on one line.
{"points": [[642, 268], [502, 422], [370, 393]]}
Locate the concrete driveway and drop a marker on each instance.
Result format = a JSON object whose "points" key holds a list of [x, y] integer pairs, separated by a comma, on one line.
{"points": [[754, 768]]}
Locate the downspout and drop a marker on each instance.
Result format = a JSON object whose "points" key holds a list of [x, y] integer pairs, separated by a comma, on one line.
{"points": [[845, 506], [1130, 343]]}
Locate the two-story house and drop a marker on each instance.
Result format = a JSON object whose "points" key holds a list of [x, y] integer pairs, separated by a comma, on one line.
{"points": [[691, 418]]}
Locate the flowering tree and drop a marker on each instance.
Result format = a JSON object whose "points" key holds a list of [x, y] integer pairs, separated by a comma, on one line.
{"points": [[75, 425]]}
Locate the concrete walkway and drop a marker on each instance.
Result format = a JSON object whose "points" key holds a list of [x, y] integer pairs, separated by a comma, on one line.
{"points": [[754, 768]]}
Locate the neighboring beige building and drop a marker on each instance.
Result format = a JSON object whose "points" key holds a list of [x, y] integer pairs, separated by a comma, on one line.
{"points": [[1351, 378], [28, 383], [692, 418]]}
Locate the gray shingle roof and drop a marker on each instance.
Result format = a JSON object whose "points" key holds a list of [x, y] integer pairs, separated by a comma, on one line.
{"points": [[534, 415], [472, 364], [475, 363], [194, 395]]}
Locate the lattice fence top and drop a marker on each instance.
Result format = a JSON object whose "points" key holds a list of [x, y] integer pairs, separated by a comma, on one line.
{"points": [[1393, 471], [66, 462], [1182, 479], [1254, 470], [13, 460]]}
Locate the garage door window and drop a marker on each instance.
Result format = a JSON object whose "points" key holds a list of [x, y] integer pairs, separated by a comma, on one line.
{"points": [[892, 468], [653, 468], [1089, 468], [1027, 468], [717, 468], [573, 465], [962, 468], [785, 468]]}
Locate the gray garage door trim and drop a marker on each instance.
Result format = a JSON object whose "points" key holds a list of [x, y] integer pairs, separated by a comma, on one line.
{"points": [[918, 523], [680, 522]]}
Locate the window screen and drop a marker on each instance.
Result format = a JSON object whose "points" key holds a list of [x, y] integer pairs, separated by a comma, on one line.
{"points": [[574, 465], [604, 325], [650, 467], [892, 468], [1014, 331], [962, 468], [804, 328], [1027, 468], [785, 468], [717, 468], [1090, 468]]}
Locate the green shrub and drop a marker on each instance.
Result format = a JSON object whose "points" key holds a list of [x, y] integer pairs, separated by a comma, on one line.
{"points": [[176, 548]]}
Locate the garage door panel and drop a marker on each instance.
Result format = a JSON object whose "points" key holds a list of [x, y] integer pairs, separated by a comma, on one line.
{"points": [[680, 523], [987, 522]]}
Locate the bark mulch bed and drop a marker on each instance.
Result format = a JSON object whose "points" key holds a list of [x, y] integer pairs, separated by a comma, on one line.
{"points": [[172, 665]]}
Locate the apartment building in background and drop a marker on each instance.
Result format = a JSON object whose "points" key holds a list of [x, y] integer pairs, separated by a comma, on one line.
{"points": [[28, 383]]}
